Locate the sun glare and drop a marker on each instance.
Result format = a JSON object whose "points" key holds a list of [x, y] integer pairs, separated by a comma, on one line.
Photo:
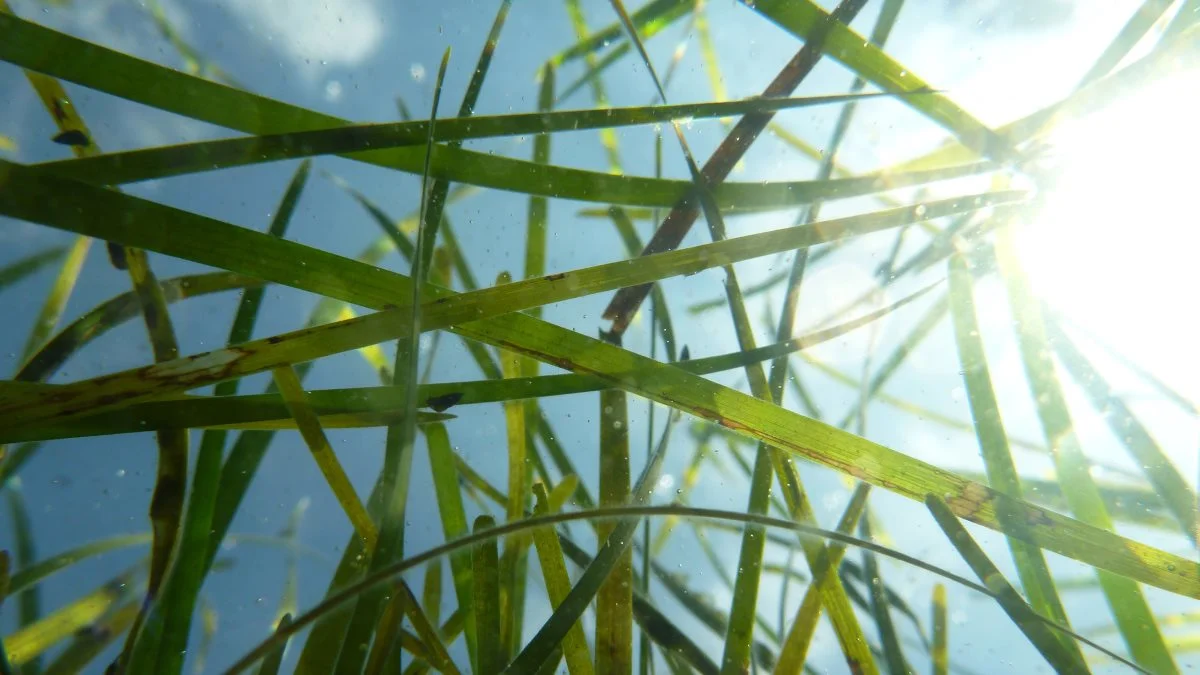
{"points": [[1116, 246]]}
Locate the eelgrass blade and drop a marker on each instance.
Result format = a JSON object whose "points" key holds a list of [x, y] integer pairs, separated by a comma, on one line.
{"points": [[924, 326], [68, 121], [780, 367], [1041, 635], [1131, 33], [490, 535], [46, 320], [1125, 597], [23, 267], [236, 109], [1162, 474], [486, 602], [195, 62], [431, 592], [608, 138], [1184, 19], [324, 643], [536, 232], [25, 645], [248, 449], [471, 479], [940, 653], [272, 661], [167, 628], [388, 636], [671, 640], [31, 575], [399, 445], [111, 313], [851, 571], [1036, 579], [794, 650], [271, 418], [701, 607], [293, 394], [684, 212], [90, 642], [133, 166], [166, 501], [433, 195], [872, 64], [513, 562], [449, 632], [614, 599], [558, 584], [708, 51], [29, 600], [892, 651], [691, 476], [739, 636], [714, 560], [1165, 390], [850, 454], [662, 323], [454, 523], [650, 19], [614, 549], [816, 441], [56, 300], [266, 409], [906, 405], [1175, 53], [1135, 504], [209, 620], [170, 483], [269, 255], [555, 345], [242, 464], [426, 630]]}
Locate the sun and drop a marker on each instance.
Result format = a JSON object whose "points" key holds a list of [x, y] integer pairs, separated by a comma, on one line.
{"points": [[1116, 247]]}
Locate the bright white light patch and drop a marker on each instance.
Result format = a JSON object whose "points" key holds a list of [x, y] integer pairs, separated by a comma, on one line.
{"points": [[333, 91], [1116, 246], [665, 483], [311, 32]]}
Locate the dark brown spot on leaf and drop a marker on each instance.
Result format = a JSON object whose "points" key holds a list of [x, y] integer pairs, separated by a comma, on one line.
{"points": [[443, 402], [73, 137]]}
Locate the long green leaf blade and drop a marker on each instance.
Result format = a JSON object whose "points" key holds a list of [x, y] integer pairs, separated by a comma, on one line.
{"points": [[1036, 580], [1062, 659], [486, 603], [1126, 600], [33, 46], [1162, 474]]}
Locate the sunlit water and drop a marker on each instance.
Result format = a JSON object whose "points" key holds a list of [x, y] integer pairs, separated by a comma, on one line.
{"points": [[1115, 246]]}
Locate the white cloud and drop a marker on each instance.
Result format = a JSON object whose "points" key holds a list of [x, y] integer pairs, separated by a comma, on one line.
{"points": [[315, 32]]}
